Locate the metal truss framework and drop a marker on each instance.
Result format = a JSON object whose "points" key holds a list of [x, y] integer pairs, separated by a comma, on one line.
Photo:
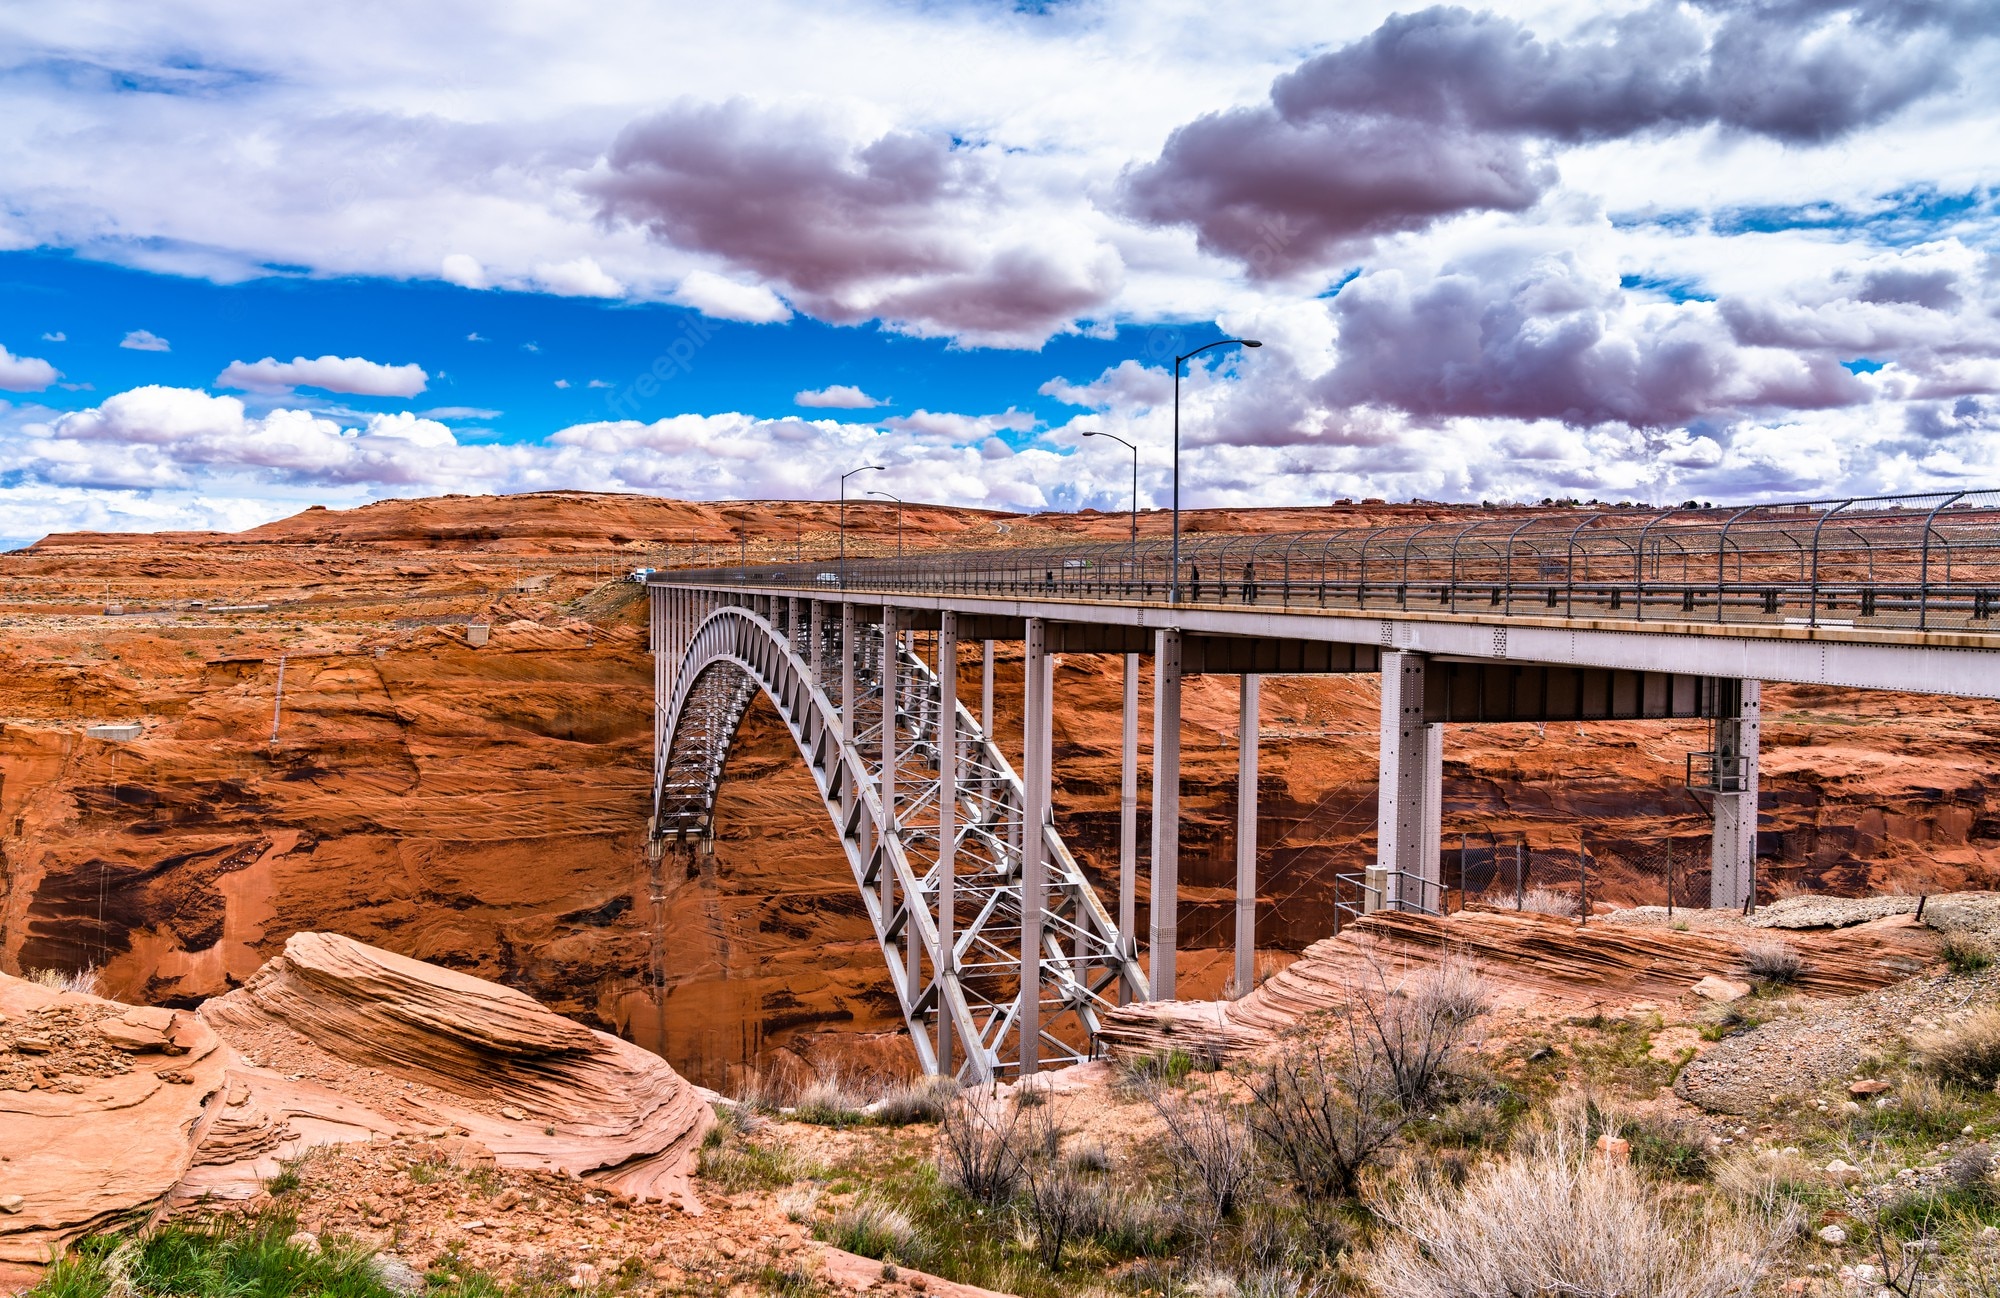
{"points": [[930, 814]]}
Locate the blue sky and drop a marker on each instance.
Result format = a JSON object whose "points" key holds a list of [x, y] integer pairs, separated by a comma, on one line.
{"points": [[526, 343], [255, 260]]}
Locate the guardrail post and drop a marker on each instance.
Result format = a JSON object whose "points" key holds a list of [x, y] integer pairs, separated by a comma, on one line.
{"points": [[1248, 711], [1164, 939], [1034, 848], [1407, 817], [1128, 826], [1733, 851]]}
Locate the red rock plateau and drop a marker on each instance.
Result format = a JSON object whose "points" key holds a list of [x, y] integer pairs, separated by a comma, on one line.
{"points": [[482, 806]]}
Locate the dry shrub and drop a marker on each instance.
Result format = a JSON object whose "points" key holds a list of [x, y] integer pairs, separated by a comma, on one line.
{"points": [[1208, 1151], [983, 1147], [1056, 1206], [1968, 952], [84, 980], [1323, 1114], [1666, 1145], [1967, 1054], [1415, 1030], [1775, 961], [1558, 1222], [1547, 901]]}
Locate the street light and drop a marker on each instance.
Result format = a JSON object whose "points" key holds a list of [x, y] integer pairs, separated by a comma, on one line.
{"points": [[899, 518], [1174, 583], [843, 514], [1135, 484]]}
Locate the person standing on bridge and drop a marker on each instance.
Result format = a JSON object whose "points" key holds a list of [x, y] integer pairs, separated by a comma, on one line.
{"points": [[1250, 583], [1194, 581]]}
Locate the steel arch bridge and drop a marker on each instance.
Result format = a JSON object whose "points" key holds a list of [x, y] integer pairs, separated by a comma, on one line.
{"points": [[932, 818]]}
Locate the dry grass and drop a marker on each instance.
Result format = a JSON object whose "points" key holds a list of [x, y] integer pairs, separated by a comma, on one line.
{"points": [[1557, 1222], [873, 1228], [922, 1099], [1967, 1054], [84, 980], [1547, 901], [1775, 961], [1968, 952]]}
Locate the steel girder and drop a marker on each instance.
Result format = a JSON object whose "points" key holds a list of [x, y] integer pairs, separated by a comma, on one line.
{"points": [[734, 653]]}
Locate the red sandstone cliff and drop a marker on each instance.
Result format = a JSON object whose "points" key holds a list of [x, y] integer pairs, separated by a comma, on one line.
{"points": [[483, 807]]}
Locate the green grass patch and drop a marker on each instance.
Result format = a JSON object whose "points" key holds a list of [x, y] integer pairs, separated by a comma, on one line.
{"points": [[225, 1257]]}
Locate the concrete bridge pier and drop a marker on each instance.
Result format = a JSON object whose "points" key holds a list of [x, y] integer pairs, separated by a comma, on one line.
{"points": [[1163, 942], [1035, 751], [1409, 814], [1733, 851], [1248, 710], [1128, 821]]}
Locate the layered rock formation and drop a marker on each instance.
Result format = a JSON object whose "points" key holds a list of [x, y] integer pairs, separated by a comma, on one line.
{"points": [[101, 1105], [1523, 955], [110, 1113], [409, 1046]]}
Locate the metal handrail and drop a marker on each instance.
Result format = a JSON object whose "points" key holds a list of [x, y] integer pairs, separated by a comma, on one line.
{"points": [[1588, 561]]}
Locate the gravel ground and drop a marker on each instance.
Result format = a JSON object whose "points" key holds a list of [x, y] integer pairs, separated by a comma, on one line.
{"points": [[1815, 1043], [1977, 911]]}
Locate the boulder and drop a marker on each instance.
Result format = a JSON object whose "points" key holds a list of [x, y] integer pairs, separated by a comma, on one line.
{"points": [[144, 1029], [414, 1048], [1721, 990]]}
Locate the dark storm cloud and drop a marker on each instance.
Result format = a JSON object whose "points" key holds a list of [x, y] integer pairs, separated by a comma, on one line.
{"points": [[1448, 110], [1542, 340], [886, 229], [781, 195]]}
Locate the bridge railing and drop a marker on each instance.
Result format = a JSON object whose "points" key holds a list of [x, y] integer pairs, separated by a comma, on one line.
{"points": [[1929, 562]]}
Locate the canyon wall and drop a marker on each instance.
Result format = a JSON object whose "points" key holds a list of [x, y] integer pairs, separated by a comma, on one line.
{"points": [[482, 806]]}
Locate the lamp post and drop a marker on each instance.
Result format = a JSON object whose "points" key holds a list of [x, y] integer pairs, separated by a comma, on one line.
{"points": [[1135, 484], [899, 518], [1174, 582], [843, 515]]}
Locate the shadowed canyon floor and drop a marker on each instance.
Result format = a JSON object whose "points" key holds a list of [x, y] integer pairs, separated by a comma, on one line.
{"points": [[482, 806]]}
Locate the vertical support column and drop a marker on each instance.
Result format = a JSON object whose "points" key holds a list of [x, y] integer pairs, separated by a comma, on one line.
{"points": [[1733, 851], [816, 641], [847, 651], [986, 694], [946, 965], [888, 827], [1164, 941], [1408, 810], [1128, 827], [1248, 710], [1034, 861]]}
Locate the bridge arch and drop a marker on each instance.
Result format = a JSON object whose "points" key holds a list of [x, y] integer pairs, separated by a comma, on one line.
{"points": [[938, 863]]}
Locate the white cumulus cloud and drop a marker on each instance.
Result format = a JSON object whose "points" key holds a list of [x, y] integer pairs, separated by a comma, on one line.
{"points": [[726, 299], [350, 374], [25, 373], [464, 271], [145, 340], [582, 277], [840, 396]]}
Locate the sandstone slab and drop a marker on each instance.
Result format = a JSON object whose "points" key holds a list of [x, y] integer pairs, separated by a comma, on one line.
{"points": [[409, 1046], [90, 1136]]}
